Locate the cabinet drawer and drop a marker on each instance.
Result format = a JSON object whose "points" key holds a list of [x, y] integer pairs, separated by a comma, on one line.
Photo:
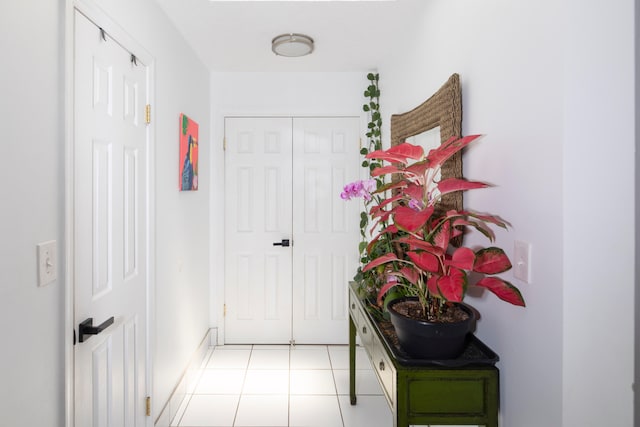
{"points": [[360, 319], [385, 371], [354, 308], [365, 331]]}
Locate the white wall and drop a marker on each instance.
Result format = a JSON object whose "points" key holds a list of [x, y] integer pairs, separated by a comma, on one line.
{"points": [[267, 94], [32, 106], [599, 217], [559, 149], [31, 211]]}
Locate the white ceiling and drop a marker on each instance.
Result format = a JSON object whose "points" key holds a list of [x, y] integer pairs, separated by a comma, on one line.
{"points": [[349, 35]]}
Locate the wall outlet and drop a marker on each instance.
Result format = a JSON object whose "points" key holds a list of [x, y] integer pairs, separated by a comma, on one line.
{"points": [[47, 260], [522, 261]]}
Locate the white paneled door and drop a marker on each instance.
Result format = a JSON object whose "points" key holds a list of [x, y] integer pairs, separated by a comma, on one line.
{"points": [[110, 231], [257, 215], [291, 242]]}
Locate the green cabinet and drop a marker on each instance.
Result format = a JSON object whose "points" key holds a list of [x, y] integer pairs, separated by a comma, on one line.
{"points": [[418, 392]]}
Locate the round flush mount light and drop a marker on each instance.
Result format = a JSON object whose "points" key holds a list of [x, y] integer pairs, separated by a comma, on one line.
{"points": [[292, 45]]}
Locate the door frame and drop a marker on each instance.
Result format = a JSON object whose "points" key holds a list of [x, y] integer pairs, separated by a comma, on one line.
{"points": [[100, 18]]}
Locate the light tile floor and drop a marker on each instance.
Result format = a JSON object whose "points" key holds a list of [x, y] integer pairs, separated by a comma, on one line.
{"points": [[282, 386]]}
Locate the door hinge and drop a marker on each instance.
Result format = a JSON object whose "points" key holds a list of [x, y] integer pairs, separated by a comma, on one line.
{"points": [[148, 406], [147, 114], [224, 144], [292, 343], [224, 310], [360, 142]]}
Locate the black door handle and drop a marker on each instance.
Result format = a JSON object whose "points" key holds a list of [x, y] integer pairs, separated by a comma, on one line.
{"points": [[87, 328], [284, 242]]}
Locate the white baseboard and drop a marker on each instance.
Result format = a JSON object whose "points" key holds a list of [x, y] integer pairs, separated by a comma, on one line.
{"points": [[187, 382]]}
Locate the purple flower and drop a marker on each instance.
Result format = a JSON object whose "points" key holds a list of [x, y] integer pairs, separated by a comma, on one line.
{"points": [[358, 189], [416, 204]]}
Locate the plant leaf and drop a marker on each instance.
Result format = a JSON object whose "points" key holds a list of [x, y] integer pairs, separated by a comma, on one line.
{"points": [[491, 219], [432, 285], [383, 290], [457, 184], [409, 273], [415, 243], [442, 153], [462, 258], [442, 237], [425, 261], [503, 290], [413, 191], [491, 261], [399, 153], [418, 168], [380, 260], [385, 202], [410, 220], [478, 225], [385, 170], [452, 286], [390, 186]]}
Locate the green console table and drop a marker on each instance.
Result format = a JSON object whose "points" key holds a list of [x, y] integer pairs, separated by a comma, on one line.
{"points": [[463, 391]]}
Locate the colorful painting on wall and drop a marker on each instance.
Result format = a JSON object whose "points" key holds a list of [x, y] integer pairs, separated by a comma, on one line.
{"points": [[188, 179]]}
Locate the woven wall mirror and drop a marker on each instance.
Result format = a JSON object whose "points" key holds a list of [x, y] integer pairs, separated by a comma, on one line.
{"points": [[442, 110]]}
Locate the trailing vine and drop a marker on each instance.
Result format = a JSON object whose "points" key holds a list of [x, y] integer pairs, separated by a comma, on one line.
{"points": [[374, 141], [375, 120], [369, 280]]}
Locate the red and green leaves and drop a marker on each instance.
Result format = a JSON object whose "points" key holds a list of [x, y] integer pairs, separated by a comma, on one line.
{"points": [[399, 153], [415, 245], [503, 290], [438, 156], [491, 261], [380, 260], [453, 286], [411, 220], [457, 184], [425, 261]]}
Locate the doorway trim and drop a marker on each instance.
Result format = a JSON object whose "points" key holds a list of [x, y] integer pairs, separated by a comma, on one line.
{"points": [[101, 18]]}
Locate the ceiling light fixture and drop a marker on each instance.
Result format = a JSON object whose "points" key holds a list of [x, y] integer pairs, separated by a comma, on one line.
{"points": [[292, 45]]}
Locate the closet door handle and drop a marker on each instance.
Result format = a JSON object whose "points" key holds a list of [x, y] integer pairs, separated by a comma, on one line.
{"points": [[284, 242], [87, 328]]}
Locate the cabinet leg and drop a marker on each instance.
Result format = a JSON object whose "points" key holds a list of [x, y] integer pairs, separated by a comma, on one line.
{"points": [[352, 361]]}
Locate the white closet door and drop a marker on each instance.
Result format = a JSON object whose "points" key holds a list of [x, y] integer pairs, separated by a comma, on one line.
{"points": [[257, 215], [110, 233], [283, 181], [325, 227]]}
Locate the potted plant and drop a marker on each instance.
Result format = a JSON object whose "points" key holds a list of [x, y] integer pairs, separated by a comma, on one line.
{"points": [[418, 256]]}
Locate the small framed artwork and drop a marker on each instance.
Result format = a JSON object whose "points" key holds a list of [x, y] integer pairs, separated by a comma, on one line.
{"points": [[188, 179]]}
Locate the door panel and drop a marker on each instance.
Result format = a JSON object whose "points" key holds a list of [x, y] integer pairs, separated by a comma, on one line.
{"points": [[110, 223], [257, 214], [283, 178], [325, 228]]}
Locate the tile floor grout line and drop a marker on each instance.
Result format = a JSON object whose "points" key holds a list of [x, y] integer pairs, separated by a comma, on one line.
{"points": [[335, 386], [289, 394], [244, 380]]}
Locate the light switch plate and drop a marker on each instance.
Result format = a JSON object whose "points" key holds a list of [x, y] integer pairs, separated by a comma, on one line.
{"points": [[522, 258], [47, 259]]}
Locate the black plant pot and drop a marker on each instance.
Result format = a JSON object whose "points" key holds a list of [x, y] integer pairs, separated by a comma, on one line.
{"points": [[431, 340]]}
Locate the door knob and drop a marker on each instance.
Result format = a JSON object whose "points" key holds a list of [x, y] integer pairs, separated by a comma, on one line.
{"points": [[284, 242], [87, 328]]}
